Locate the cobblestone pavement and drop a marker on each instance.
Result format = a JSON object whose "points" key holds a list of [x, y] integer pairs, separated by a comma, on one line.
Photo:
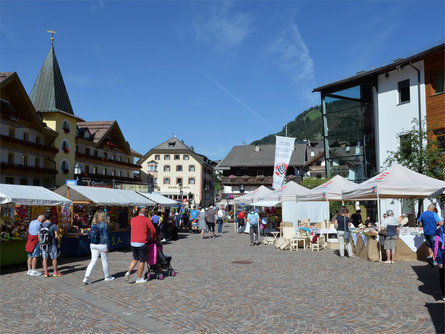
{"points": [[269, 291]]}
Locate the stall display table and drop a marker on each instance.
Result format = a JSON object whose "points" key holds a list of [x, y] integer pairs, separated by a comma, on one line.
{"points": [[12, 252], [411, 248], [364, 247], [79, 245]]}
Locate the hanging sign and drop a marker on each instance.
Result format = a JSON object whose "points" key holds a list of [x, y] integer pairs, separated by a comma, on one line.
{"points": [[284, 146]]}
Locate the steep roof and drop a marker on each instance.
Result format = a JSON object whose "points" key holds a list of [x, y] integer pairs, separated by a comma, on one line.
{"points": [[249, 156], [49, 93], [18, 101], [100, 130], [174, 145], [97, 129]]}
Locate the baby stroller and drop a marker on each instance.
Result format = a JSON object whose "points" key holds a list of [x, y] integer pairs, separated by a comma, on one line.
{"points": [[158, 261]]}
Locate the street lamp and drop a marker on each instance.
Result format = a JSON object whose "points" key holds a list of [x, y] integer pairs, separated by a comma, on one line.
{"points": [[241, 189], [180, 192], [77, 172]]}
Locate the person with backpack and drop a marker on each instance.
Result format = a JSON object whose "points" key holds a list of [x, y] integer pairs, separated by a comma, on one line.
{"points": [[253, 219], [48, 244], [99, 246]]}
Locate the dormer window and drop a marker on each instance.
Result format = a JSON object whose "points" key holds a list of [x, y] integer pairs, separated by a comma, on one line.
{"points": [[171, 144]]}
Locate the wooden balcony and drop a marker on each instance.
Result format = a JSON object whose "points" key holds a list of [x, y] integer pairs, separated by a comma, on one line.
{"points": [[27, 146], [105, 161], [246, 180], [7, 168], [109, 178]]}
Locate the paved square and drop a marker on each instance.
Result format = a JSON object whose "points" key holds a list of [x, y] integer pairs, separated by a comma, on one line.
{"points": [[269, 291]]}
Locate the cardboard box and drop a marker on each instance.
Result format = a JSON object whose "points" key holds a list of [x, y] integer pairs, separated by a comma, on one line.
{"points": [[332, 243]]}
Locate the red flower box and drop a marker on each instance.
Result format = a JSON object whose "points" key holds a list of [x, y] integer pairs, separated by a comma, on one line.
{"points": [[66, 150], [66, 130]]}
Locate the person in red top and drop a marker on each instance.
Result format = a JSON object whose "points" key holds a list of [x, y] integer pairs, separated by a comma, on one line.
{"points": [[140, 226], [241, 216]]}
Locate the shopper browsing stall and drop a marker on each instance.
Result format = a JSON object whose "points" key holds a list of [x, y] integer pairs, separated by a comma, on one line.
{"points": [[253, 219], [32, 245], [98, 246], [343, 224], [392, 230], [48, 244]]}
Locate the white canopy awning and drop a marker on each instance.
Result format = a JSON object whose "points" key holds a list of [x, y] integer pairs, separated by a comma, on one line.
{"points": [[30, 195], [104, 196], [330, 190], [159, 199], [175, 192], [289, 192], [396, 182], [265, 203], [253, 195]]}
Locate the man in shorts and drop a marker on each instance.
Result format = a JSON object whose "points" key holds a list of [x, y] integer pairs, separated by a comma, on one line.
{"points": [[50, 250], [140, 226], [32, 245], [429, 220], [392, 230]]}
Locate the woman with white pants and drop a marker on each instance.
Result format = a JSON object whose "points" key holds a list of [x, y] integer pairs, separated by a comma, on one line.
{"points": [[342, 224], [98, 246]]}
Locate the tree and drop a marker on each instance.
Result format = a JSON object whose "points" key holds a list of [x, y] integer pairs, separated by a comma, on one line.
{"points": [[419, 152], [312, 182]]}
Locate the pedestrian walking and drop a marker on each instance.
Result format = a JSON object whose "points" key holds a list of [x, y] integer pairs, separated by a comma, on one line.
{"points": [[33, 246], [98, 246], [156, 221], [186, 220], [220, 219], [429, 220], [202, 222], [48, 244], [241, 216], [253, 219], [210, 218], [439, 253], [166, 227], [342, 224], [140, 228]]}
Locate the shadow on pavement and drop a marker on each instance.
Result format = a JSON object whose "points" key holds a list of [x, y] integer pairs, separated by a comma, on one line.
{"points": [[430, 278], [437, 312]]}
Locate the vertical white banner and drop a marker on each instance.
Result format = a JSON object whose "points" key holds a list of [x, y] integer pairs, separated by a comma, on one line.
{"points": [[284, 146]]}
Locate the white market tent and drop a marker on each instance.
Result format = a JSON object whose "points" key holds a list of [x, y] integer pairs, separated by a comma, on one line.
{"points": [[330, 190], [104, 196], [289, 192], [253, 195], [160, 199], [396, 182], [30, 195]]}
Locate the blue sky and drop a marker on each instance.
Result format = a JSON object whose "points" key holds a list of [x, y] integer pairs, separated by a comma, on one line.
{"points": [[214, 73]]}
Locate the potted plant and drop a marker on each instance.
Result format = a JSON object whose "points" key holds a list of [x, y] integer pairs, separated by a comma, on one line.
{"points": [[66, 130], [66, 149], [232, 177]]}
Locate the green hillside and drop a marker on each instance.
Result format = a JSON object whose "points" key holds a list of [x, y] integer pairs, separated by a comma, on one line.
{"points": [[307, 125]]}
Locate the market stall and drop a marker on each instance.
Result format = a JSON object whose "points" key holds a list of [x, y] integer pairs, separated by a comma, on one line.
{"points": [[118, 205], [397, 182], [19, 205], [160, 199]]}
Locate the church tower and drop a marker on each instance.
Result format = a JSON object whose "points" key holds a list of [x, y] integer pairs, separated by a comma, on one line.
{"points": [[51, 100]]}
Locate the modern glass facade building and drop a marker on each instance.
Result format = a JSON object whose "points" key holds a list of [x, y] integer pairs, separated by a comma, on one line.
{"points": [[348, 123]]}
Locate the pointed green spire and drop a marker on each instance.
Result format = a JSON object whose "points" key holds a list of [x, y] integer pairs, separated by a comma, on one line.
{"points": [[49, 91]]}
